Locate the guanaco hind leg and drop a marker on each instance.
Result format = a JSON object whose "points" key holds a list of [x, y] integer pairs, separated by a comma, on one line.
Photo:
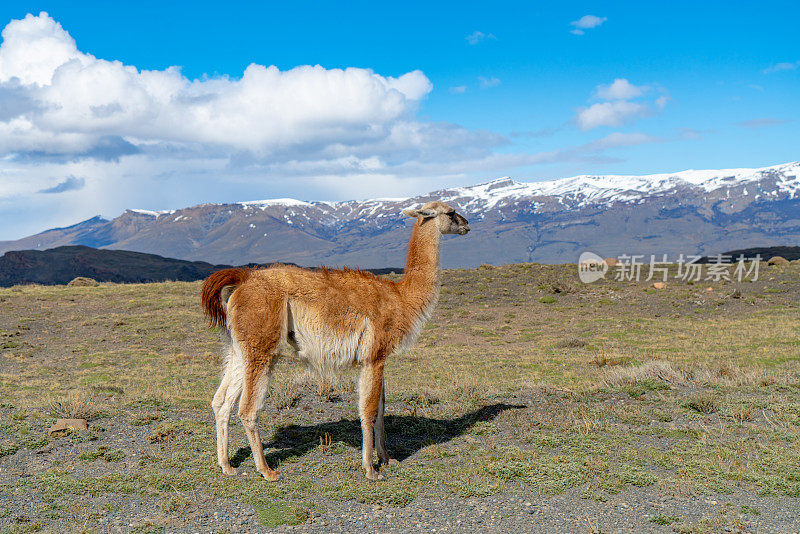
{"points": [[254, 392], [228, 392]]}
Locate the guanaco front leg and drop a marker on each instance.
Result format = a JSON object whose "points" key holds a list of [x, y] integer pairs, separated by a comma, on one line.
{"points": [[370, 384]]}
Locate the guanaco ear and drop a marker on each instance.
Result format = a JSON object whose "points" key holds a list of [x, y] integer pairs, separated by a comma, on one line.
{"points": [[420, 213]]}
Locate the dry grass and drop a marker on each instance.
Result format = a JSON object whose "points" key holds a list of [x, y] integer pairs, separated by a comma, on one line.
{"points": [[741, 414], [556, 282], [704, 403], [325, 444], [676, 488], [73, 405], [571, 342], [653, 371], [696, 376], [327, 387], [284, 393]]}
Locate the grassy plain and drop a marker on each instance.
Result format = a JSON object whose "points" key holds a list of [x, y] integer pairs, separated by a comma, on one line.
{"points": [[524, 380]]}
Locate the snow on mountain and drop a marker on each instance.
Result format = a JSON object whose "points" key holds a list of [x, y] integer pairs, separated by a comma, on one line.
{"points": [[606, 189], [574, 192], [152, 213], [263, 204]]}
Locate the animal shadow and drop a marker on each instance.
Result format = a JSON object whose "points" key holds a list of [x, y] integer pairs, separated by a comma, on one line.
{"points": [[405, 434]]}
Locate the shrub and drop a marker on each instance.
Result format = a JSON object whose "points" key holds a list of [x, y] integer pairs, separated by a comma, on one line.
{"points": [[705, 403]]}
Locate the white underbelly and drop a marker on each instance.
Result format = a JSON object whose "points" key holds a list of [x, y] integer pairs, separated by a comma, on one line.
{"points": [[326, 351]]}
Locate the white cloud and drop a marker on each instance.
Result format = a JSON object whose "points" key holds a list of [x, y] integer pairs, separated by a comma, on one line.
{"points": [[762, 122], [621, 89], [624, 102], [477, 36], [692, 134], [619, 139], [778, 67], [488, 82], [542, 132], [586, 22], [80, 100], [459, 89], [614, 113]]}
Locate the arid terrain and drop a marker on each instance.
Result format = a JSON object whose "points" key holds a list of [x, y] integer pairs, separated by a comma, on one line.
{"points": [[531, 402]]}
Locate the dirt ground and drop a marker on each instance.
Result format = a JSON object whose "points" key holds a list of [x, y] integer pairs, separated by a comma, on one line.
{"points": [[532, 402]]}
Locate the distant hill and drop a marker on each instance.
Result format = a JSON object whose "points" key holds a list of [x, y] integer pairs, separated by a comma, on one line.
{"points": [[62, 264], [789, 253], [689, 212]]}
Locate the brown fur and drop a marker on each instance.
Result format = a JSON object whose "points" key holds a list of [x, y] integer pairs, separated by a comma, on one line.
{"points": [[332, 318], [212, 290]]}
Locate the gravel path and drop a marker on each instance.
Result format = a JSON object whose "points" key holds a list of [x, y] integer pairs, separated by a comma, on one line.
{"points": [[629, 511]]}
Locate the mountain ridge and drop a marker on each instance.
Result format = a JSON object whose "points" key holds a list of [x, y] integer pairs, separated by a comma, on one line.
{"points": [[692, 212], [709, 180]]}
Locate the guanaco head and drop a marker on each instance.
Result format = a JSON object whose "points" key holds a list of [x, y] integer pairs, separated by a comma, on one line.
{"points": [[443, 215]]}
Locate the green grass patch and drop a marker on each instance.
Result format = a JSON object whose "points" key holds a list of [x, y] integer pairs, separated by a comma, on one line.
{"points": [[272, 514], [662, 519]]}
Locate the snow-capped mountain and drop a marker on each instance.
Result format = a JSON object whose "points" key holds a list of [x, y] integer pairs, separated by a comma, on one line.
{"points": [[584, 190], [688, 212]]}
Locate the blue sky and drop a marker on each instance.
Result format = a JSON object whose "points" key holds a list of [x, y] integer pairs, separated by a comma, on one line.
{"points": [[531, 90]]}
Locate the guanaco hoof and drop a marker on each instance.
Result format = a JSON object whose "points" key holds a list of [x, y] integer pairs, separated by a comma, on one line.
{"points": [[272, 476]]}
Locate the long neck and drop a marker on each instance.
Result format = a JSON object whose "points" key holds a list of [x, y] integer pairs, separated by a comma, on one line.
{"points": [[421, 279]]}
